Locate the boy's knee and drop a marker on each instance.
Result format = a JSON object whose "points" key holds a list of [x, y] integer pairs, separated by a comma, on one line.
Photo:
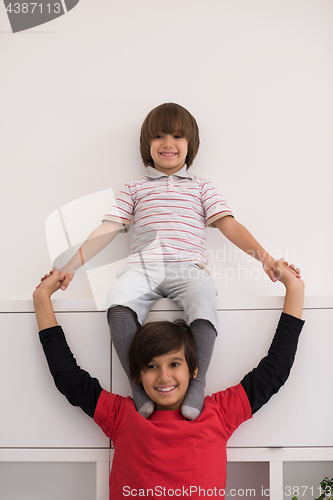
{"points": [[117, 313]]}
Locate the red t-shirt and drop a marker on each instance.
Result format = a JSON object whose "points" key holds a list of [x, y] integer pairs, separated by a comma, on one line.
{"points": [[166, 455]]}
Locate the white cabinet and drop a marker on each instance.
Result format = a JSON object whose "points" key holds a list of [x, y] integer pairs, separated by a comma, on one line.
{"points": [[48, 480], [34, 414], [47, 474]]}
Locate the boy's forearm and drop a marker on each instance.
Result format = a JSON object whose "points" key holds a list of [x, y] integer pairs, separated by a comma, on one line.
{"points": [[294, 298], [273, 370], [72, 381], [44, 311], [95, 243], [241, 237]]}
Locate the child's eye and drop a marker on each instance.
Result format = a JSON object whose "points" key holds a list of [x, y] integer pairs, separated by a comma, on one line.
{"points": [[177, 136], [175, 364], [151, 367]]}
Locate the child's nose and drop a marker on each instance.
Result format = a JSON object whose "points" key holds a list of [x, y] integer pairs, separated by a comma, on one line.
{"points": [[164, 375], [167, 143]]}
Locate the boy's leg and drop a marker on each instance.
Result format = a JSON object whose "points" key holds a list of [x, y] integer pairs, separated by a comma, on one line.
{"points": [[137, 287], [129, 302], [123, 326], [193, 289], [204, 335]]}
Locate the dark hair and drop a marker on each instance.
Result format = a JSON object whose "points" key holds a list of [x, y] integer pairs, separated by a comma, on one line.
{"points": [[167, 119], [158, 338]]}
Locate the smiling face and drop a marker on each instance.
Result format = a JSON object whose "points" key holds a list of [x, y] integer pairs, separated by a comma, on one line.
{"points": [[169, 152], [167, 119], [166, 379]]}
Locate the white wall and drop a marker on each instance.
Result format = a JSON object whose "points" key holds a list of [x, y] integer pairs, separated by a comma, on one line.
{"points": [[257, 75]]}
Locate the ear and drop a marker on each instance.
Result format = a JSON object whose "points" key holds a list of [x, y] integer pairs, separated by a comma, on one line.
{"points": [[195, 372]]}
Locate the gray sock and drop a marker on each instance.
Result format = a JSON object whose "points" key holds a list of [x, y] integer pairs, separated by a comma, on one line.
{"points": [[123, 326], [204, 335]]}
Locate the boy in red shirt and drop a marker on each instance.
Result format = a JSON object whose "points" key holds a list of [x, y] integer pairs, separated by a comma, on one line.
{"points": [[167, 455]]}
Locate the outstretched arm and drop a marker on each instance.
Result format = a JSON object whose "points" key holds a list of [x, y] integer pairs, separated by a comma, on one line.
{"points": [[42, 300], [273, 370], [294, 296], [95, 243], [76, 384], [243, 239]]}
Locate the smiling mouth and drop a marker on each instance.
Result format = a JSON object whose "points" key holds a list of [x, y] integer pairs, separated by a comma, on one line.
{"points": [[168, 154], [166, 389]]}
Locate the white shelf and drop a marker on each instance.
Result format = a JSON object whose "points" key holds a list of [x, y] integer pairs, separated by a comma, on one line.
{"points": [[223, 303], [54, 455], [298, 454]]}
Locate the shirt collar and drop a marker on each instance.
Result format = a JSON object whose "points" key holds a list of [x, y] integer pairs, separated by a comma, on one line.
{"points": [[152, 173]]}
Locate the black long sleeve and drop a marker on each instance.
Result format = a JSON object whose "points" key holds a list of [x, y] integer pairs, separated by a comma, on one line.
{"points": [[273, 370], [76, 384]]}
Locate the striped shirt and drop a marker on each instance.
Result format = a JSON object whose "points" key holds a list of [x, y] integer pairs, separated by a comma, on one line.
{"points": [[169, 215]]}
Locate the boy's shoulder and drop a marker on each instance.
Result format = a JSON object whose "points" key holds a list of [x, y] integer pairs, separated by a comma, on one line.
{"points": [[134, 184], [137, 179]]}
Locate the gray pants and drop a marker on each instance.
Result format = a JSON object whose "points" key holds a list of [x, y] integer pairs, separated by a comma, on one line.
{"points": [[191, 287]]}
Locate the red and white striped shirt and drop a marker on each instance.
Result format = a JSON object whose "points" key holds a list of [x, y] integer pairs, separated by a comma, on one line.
{"points": [[169, 215]]}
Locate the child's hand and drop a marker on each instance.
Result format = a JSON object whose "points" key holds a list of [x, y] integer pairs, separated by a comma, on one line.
{"points": [[285, 272], [49, 284], [269, 270], [65, 278], [269, 266]]}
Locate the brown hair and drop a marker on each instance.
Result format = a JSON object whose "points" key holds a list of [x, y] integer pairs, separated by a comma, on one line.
{"points": [[158, 338], [167, 119]]}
